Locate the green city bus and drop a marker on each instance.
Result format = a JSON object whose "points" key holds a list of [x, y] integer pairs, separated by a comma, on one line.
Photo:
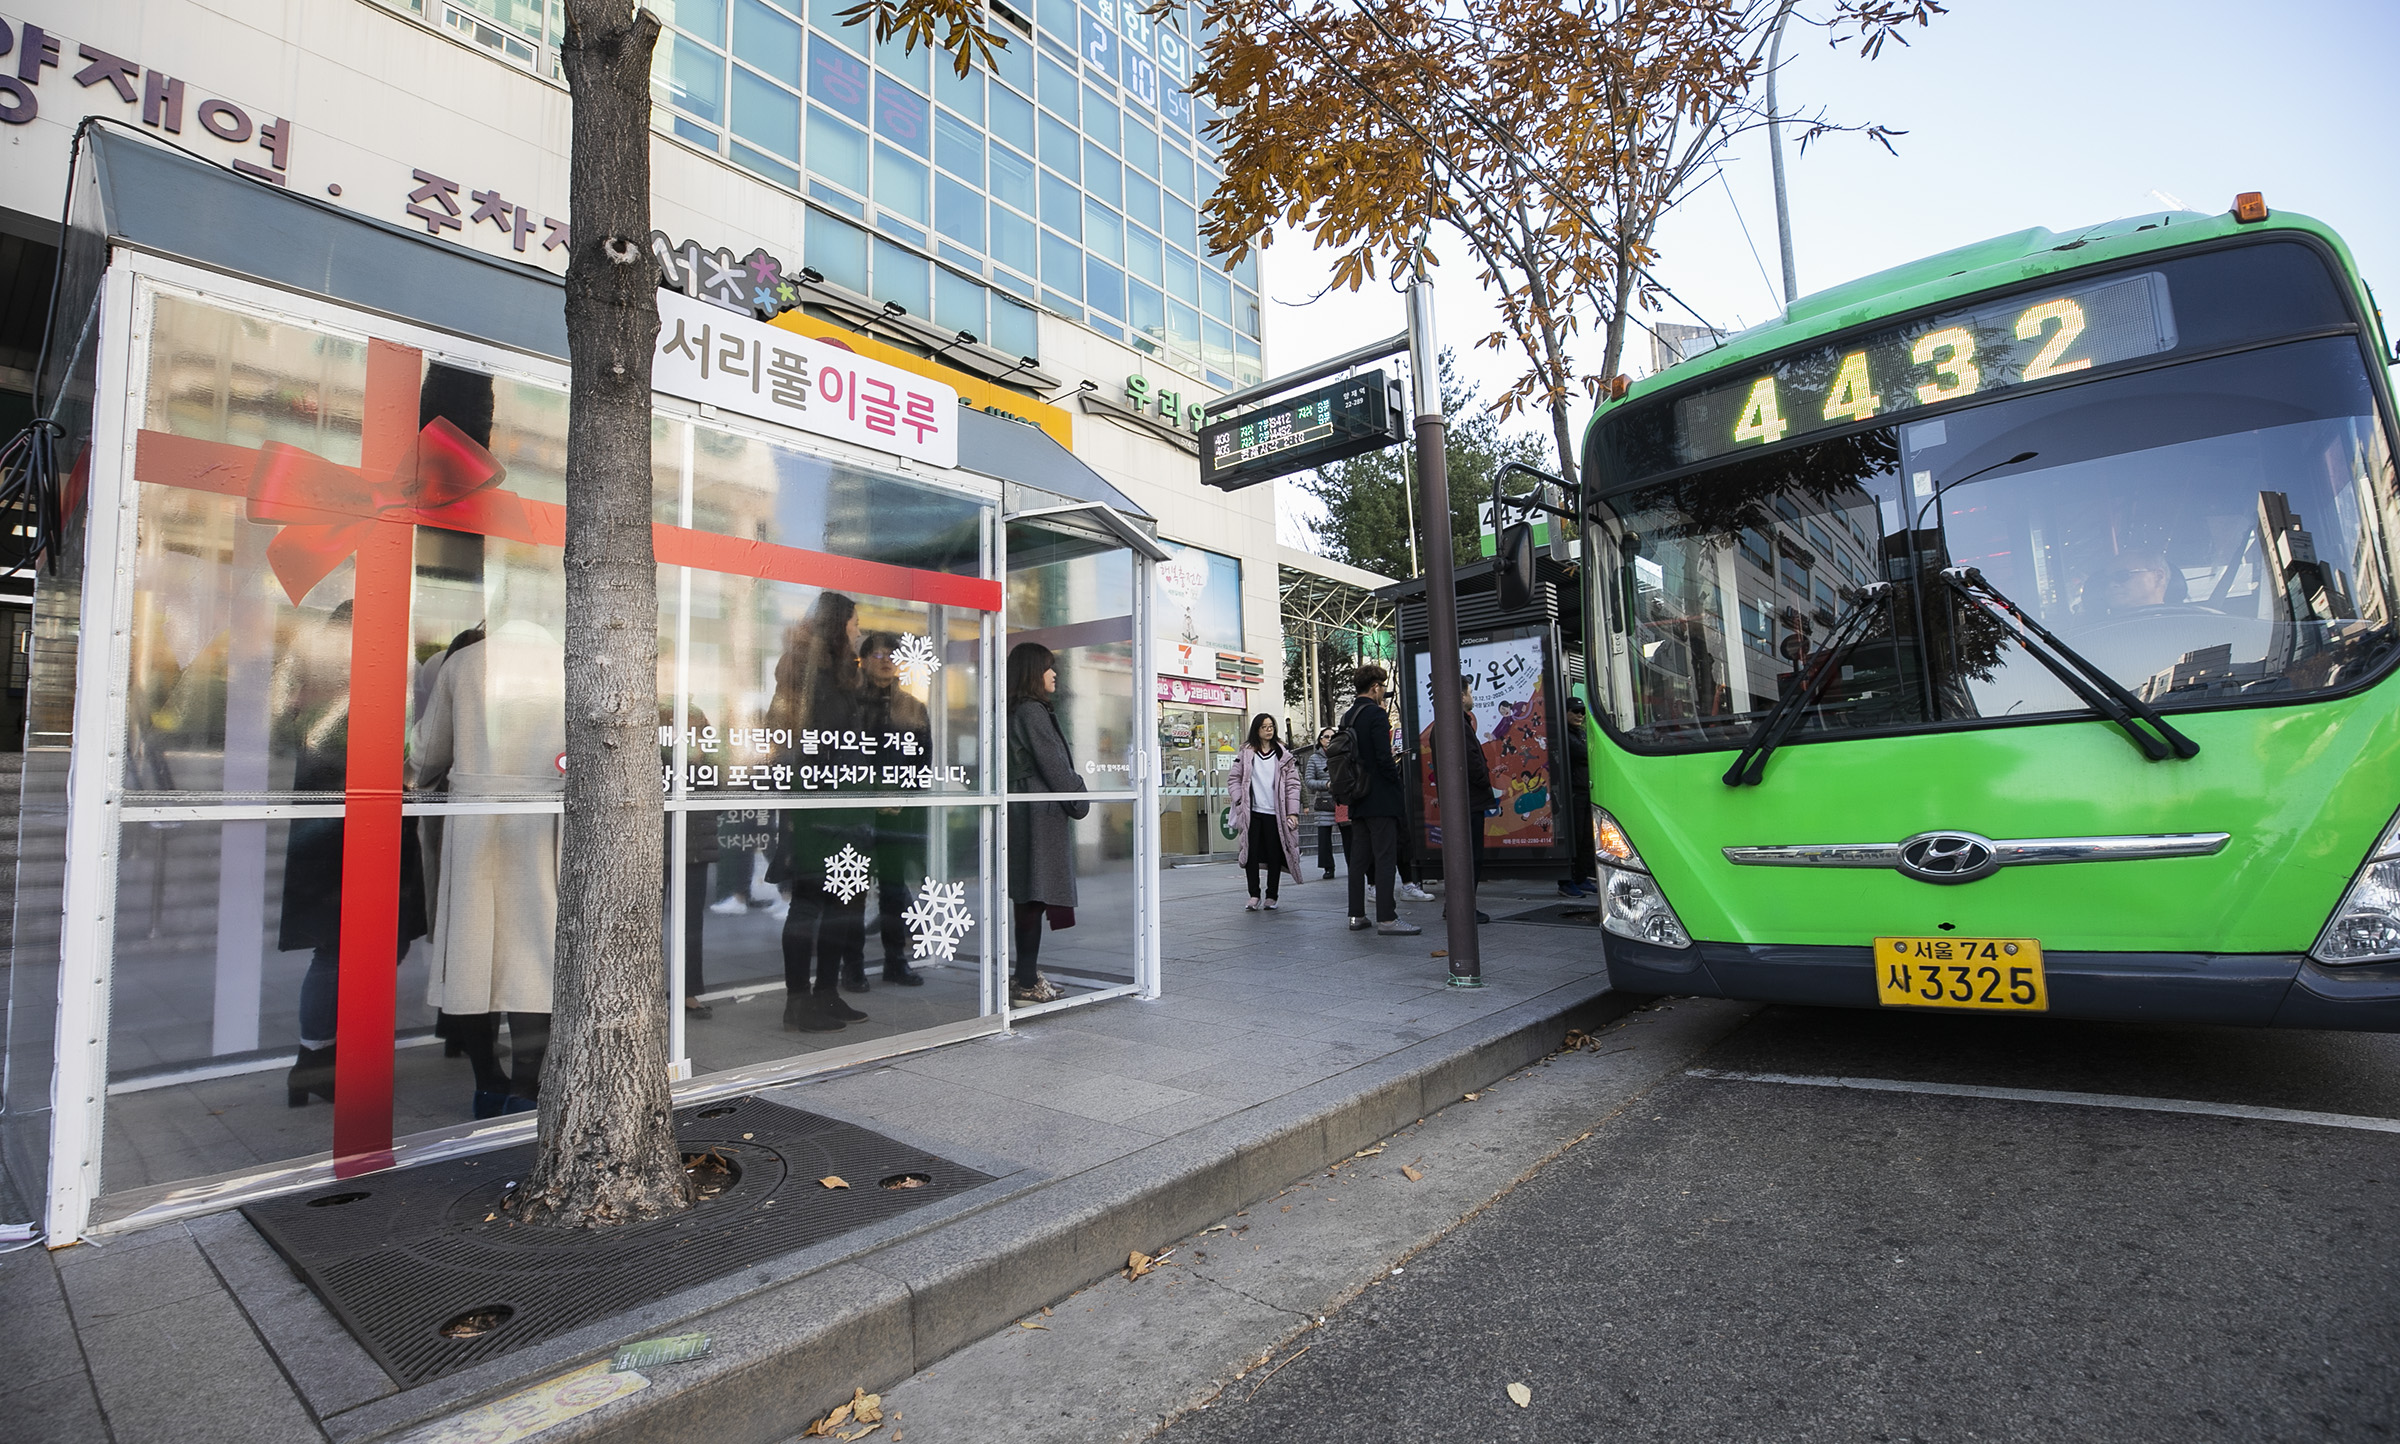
{"points": [[2013, 631]]}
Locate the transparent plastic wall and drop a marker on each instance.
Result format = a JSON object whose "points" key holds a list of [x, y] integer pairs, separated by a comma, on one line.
{"points": [[825, 816]]}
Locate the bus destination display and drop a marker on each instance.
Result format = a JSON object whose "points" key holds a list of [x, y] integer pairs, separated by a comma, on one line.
{"points": [[1294, 433], [1929, 361]]}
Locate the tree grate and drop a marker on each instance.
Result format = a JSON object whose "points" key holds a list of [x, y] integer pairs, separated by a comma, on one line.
{"points": [[431, 1275]]}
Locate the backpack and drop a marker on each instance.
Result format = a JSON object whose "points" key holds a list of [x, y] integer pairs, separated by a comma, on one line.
{"points": [[1346, 774]]}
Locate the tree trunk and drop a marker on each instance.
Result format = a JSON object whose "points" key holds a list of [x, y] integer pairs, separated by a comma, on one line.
{"points": [[607, 1149]]}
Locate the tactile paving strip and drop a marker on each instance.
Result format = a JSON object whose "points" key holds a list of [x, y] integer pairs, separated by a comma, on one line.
{"points": [[396, 1256]]}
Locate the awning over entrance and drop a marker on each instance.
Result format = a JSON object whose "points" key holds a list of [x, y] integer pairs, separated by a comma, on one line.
{"points": [[158, 200]]}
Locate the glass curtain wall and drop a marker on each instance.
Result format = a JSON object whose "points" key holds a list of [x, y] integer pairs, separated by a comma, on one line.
{"points": [[827, 814], [1071, 175]]}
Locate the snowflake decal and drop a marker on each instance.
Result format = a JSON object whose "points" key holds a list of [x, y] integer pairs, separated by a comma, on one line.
{"points": [[846, 873], [938, 920], [916, 660]]}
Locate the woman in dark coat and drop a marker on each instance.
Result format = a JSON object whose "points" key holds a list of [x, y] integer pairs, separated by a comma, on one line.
{"points": [[1041, 844], [817, 688], [894, 711]]}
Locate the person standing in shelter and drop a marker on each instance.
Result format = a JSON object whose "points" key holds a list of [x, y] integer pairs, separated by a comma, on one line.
{"points": [[818, 691], [1319, 782], [1266, 811], [700, 857], [1376, 817], [1480, 797], [895, 713], [1041, 845], [495, 726]]}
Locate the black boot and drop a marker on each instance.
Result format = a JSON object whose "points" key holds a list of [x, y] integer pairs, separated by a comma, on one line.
{"points": [[854, 976], [897, 971], [313, 1073], [802, 1013], [834, 1007]]}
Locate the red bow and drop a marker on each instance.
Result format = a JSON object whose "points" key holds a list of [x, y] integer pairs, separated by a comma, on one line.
{"points": [[325, 509]]}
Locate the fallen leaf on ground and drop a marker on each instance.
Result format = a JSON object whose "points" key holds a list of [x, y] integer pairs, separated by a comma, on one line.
{"points": [[1473, 1096], [1022, 1324], [1138, 1263], [746, 1135], [857, 1434], [1045, 1313], [1441, 952], [1368, 1152], [1520, 1396], [866, 1408], [1411, 1174], [834, 1180], [827, 1426]]}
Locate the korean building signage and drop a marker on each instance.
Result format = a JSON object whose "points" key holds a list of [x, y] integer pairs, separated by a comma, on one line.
{"points": [[1185, 692], [1167, 402], [165, 102], [743, 365]]}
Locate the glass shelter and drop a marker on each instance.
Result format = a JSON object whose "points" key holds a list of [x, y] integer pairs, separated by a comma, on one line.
{"points": [[298, 739]]}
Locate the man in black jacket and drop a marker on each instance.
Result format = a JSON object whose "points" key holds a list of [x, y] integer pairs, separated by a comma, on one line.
{"points": [[1375, 819]]}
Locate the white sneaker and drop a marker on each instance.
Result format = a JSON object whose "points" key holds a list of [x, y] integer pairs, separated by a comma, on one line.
{"points": [[729, 905], [1250, 906], [1413, 893]]}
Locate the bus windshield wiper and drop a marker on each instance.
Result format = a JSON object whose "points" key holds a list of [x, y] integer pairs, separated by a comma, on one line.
{"points": [[2099, 691], [1785, 715]]}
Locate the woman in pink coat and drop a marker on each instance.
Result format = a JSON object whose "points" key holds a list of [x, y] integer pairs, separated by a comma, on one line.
{"points": [[1266, 809]]}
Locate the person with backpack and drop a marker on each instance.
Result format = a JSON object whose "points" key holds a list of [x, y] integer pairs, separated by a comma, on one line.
{"points": [[1366, 779]]}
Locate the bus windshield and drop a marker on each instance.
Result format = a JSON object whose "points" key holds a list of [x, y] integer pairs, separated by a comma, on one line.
{"points": [[2213, 533]]}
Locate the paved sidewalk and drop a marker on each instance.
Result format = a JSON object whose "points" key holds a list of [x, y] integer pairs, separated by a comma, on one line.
{"points": [[1284, 1042]]}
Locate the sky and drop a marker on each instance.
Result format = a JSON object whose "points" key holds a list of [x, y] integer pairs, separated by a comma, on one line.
{"points": [[2053, 113]]}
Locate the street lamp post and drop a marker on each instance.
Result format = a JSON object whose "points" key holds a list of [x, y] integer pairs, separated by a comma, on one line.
{"points": [[1783, 210], [1441, 623]]}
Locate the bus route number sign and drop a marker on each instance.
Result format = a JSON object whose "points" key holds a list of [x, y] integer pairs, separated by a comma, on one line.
{"points": [[1930, 361], [1295, 433]]}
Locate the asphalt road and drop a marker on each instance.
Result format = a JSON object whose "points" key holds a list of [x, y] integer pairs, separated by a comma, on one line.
{"points": [[1740, 1260]]}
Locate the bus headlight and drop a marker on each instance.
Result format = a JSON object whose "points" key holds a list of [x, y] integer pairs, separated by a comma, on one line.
{"points": [[2366, 927], [1631, 905]]}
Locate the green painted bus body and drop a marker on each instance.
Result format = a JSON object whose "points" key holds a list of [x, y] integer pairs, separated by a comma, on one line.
{"points": [[2304, 789]]}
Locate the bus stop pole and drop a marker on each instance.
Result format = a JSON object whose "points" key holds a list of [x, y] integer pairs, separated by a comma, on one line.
{"points": [[1441, 617]]}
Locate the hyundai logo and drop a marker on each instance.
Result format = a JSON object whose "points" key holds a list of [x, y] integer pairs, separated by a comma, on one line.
{"points": [[1949, 857]]}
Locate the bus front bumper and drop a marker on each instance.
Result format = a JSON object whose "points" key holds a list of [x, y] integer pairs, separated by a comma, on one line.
{"points": [[2283, 990]]}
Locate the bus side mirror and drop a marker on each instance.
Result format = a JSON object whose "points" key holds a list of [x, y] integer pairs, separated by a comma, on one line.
{"points": [[1514, 574]]}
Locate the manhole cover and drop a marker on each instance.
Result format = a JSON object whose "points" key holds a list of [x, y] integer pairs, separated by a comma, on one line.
{"points": [[431, 1275]]}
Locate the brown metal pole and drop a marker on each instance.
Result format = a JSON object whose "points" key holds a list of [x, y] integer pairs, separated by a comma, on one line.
{"points": [[1441, 617]]}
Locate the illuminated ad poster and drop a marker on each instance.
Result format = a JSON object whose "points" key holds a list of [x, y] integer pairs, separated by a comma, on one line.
{"points": [[1508, 679]]}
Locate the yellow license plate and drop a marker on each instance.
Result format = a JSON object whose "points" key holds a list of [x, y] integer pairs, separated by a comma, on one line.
{"points": [[1989, 973]]}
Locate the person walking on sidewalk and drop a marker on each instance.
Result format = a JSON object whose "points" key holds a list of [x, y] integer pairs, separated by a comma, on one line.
{"points": [[1266, 810], [1318, 779], [1375, 817], [1041, 846]]}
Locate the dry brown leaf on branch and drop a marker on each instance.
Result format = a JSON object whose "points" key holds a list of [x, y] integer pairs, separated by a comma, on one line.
{"points": [[834, 1180]]}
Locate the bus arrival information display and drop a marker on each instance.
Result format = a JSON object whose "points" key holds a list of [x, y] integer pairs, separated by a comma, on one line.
{"points": [[1295, 433]]}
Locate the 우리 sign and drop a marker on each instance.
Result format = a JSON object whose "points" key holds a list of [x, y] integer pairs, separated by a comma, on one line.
{"points": [[731, 361]]}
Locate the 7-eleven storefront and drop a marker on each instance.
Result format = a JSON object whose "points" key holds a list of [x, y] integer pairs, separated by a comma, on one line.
{"points": [[297, 738]]}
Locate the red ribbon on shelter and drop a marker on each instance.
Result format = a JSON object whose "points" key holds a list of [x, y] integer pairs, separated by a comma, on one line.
{"points": [[326, 510]]}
